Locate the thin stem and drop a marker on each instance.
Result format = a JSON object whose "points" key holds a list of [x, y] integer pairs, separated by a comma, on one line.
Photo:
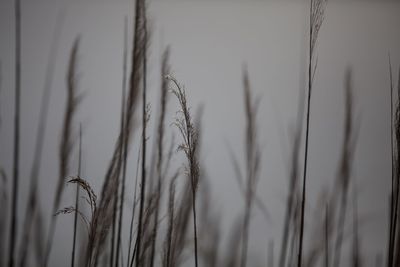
{"points": [[13, 224], [393, 218], [115, 205], [160, 150], [133, 211], [194, 225], [77, 198], [144, 122], [300, 254], [124, 145], [326, 236]]}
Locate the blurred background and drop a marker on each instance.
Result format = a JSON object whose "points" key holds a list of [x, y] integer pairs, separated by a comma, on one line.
{"points": [[210, 42]]}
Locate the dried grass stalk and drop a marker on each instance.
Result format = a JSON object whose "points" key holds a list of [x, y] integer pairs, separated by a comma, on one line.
{"points": [[77, 198], [103, 214], [170, 228], [293, 185], [165, 69], [124, 152], [253, 156], [14, 203], [140, 232], [4, 208], [66, 141], [133, 212], [317, 10], [343, 179], [189, 146], [396, 169]]}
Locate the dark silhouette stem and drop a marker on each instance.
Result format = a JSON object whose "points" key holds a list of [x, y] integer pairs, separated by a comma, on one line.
{"points": [[124, 147], [77, 198], [144, 122], [300, 253], [13, 224]]}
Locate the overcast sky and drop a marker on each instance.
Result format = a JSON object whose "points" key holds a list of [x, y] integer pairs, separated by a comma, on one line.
{"points": [[210, 41]]}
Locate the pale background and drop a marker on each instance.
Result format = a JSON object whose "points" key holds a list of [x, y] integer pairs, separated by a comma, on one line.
{"points": [[210, 41]]}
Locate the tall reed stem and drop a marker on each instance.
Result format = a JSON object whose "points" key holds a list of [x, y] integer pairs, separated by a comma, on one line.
{"points": [[316, 18], [124, 145], [144, 122], [14, 212], [77, 198], [189, 146]]}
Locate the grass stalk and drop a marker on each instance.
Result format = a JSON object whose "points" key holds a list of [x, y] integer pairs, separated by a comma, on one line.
{"points": [[170, 231], [160, 150], [252, 163], [356, 259], [4, 197], [142, 9], [123, 158], [316, 19], [326, 235], [77, 199], [113, 226], [345, 165], [394, 195], [189, 146], [103, 214], [65, 144], [293, 183], [125, 145], [396, 235], [14, 211], [130, 262]]}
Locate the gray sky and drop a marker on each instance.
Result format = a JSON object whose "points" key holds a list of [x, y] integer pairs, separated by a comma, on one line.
{"points": [[210, 42]]}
